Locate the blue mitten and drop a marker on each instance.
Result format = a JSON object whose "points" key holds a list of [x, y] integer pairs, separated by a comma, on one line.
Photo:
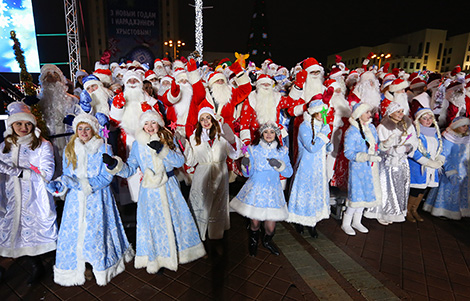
{"points": [[85, 101], [54, 187], [102, 118], [68, 120]]}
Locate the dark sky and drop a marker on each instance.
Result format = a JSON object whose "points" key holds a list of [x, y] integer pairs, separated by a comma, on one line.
{"points": [[300, 29]]}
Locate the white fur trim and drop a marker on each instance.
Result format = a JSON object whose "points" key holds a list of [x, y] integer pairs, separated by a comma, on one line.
{"points": [[298, 110], [173, 99], [21, 116], [281, 168], [323, 137], [258, 213], [118, 167], [216, 77], [362, 157], [245, 135], [459, 123], [88, 119], [451, 172], [295, 93], [242, 79], [116, 113]]}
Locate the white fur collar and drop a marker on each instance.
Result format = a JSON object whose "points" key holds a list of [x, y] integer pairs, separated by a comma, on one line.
{"points": [[25, 140], [456, 138], [266, 145], [91, 147], [143, 138], [388, 95]]}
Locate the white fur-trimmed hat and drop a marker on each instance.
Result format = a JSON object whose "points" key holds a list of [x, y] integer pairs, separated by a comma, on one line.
{"points": [[91, 80], [270, 125], [88, 119], [423, 111], [132, 74], [459, 121], [19, 111], [215, 76], [316, 106], [393, 107], [151, 116], [398, 84], [359, 109]]}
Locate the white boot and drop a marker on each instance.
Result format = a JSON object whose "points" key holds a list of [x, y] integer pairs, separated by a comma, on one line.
{"points": [[356, 224], [346, 225]]}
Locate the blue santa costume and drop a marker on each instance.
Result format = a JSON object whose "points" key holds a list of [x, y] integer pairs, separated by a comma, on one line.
{"points": [[91, 230], [425, 162], [451, 199], [361, 149], [262, 196], [166, 231], [309, 200]]}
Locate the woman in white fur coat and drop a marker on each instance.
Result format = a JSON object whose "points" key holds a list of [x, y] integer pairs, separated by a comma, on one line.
{"points": [[166, 232], [27, 212], [91, 230], [208, 149]]}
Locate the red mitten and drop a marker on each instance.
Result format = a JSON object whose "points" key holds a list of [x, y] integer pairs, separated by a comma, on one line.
{"points": [[300, 78], [191, 66], [235, 67], [145, 106], [175, 89], [119, 101]]}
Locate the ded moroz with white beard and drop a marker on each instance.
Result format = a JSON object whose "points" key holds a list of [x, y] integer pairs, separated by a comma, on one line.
{"points": [[125, 110]]}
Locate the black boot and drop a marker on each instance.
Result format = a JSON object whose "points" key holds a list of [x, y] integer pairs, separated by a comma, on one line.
{"points": [[37, 270], [299, 228], [253, 242], [313, 232], [268, 244]]}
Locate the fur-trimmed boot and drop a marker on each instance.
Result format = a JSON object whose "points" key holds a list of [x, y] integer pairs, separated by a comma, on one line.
{"points": [[356, 222], [346, 225], [268, 244], [253, 242]]}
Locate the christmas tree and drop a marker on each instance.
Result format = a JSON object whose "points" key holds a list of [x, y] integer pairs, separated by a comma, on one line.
{"points": [[258, 40]]}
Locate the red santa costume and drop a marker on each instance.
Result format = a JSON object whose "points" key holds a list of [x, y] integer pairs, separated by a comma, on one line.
{"points": [[225, 98], [367, 90], [397, 94], [455, 95], [263, 105], [183, 99], [338, 119], [125, 110]]}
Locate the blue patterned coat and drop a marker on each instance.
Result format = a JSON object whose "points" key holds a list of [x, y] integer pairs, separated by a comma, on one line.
{"points": [[421, 176], [364, 183], [91, 229], [309, 200], [449, 199], [166, 231], [262, 197]]}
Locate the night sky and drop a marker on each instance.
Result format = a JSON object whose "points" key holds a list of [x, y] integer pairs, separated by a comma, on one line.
{"points": [[300, 29]]}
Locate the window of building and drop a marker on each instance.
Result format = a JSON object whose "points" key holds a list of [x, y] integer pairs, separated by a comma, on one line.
{"points": [[448, 60], [424, 67], [425, 59], [445, 51], [412, 65], [357, 60], [468, 58], [450, 50], [420, 48], [418, 65], [439, 51], [393, 65], [427, 47], [437, 64], [398, 65], [468, 47], [405, 65]]}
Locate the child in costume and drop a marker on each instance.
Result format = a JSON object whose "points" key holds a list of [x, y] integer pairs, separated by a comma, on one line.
{"points": [[261, 199]]}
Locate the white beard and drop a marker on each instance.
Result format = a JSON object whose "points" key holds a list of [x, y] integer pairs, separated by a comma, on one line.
{"points": [[342, 84], [341, 106], [369, 94], [402, 99], [132, 110], [313, 86], [99, 101], [182, 106], [53, 104], [266, 107], [160, 72], [221, 94], [162, 89], [457, 99]]}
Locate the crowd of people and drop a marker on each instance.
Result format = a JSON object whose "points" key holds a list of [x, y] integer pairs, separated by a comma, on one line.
{"points": [[127, 133]]}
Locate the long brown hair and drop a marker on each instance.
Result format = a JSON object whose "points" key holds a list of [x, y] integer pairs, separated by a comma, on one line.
{"points": [[214, 130], [70, 148], [166, 137], [313, 126], [12, 139]]}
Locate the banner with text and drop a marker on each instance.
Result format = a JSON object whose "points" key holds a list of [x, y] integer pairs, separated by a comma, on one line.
{"points": [[134, 31]]}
